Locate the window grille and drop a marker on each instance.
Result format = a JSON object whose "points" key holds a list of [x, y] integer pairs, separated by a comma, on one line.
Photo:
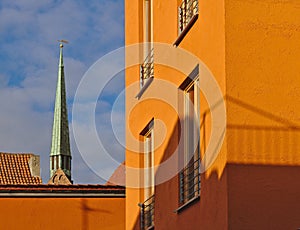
{"points": [[190, 181], [187, 10], [147, 68], [147, 214]]}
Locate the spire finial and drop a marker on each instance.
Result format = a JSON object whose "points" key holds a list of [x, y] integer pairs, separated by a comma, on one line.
{"points": [[61, 63], [61, 43]]}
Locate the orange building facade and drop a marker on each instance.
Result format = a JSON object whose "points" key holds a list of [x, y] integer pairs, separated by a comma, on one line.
{"points": [[62, 207], [221, 153]]}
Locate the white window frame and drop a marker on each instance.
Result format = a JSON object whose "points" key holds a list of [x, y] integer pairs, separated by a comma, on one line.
{"points": [[193, 112], [148, 27], [149, 164], [189, 176], [147, 67]]}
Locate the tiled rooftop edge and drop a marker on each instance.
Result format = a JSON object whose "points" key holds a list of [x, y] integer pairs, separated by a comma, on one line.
{"points": [[45, 190], [15, 169]]}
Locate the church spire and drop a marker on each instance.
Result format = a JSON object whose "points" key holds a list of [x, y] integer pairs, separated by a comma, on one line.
{"points": [[60, 155]]}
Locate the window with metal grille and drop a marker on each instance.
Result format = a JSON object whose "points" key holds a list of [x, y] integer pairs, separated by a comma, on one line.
{"points": [[190, 181], [186, 11], [189, 176], [187, 16], [147, 207], [147, 68], [147, 213]]}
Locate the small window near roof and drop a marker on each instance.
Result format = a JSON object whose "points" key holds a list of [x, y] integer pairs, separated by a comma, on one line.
{"points": [[187, 16]]}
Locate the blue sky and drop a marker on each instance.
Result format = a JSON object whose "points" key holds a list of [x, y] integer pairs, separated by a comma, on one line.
{"points": [[28, 72]]}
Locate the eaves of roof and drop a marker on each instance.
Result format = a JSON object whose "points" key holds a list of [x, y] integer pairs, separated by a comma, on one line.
{"points": [[46, 190]]}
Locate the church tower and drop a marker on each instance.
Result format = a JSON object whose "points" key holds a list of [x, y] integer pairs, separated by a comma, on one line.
{"points": [[60, 155]]}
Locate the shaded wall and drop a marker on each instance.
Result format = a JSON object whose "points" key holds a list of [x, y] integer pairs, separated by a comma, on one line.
{"points": [[62, 213], [263, 196]]}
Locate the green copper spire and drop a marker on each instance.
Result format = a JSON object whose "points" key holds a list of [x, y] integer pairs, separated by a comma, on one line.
{"points": [[60, 155]]}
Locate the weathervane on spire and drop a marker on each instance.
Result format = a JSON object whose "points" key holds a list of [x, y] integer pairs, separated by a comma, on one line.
{"points": [[61, 42]]}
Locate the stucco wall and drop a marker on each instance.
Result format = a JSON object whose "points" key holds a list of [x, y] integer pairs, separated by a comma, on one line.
{"points": [[206, 40], [263, 109], [263, 81], [252, 49], [62, 213], [263, 196]]}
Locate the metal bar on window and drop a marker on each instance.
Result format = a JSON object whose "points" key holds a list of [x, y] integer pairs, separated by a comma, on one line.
{"points": [[147, 68], [189, 181], [186, 11], [147, 213]]}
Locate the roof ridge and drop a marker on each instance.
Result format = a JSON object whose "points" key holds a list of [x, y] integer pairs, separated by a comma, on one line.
{"points": [[16, 153]]}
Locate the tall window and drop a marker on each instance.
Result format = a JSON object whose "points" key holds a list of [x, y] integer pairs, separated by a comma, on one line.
{"points": [[147, 207], [55, 162], [147, 67], [52, 163], [189, 178], [63, 161], [69, 165], [149, 163], [148, 35]]}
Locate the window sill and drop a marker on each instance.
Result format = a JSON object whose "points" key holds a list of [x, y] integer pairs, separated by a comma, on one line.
{"points": [[186, 30], [187, 204], [151, 227], [143, 89]]}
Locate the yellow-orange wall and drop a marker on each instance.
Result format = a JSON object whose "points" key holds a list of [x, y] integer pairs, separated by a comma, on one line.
{"points": [[263, 81], [208, 45], [263, 110], [62, 213], [253, 51]]}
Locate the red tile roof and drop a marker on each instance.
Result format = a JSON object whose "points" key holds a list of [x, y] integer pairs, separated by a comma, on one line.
{"points": [[118, 176], [14, 169]]}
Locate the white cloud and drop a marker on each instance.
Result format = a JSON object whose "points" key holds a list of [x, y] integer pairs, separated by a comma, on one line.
{"points": [[29, 61], [3, 80]]}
